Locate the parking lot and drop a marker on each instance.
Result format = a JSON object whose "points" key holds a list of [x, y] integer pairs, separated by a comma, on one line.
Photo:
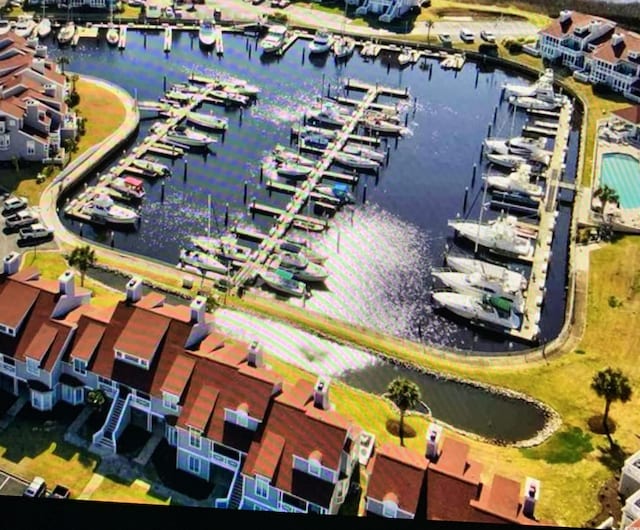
{"points": [[9, 238], [11, 486], [500, 28]]}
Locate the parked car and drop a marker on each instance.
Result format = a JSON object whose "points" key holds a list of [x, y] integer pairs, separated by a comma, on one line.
{"points": [[256, 2], [487, 36], [168, 12], [467, 35], [37, 488], [60, 492], [22, 218], [34, 234], [13, 204], [445, 38]]}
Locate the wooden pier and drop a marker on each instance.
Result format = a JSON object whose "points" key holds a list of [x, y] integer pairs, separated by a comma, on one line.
{"points": [[548, 213], [539, 131], [355, 102], [352, 84]]}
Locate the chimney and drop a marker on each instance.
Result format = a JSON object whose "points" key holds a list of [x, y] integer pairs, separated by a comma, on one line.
{"points": [[41, 51], [11, 263], [531, 495], [321, 393], [565, 15], [434, 434], [38, 65], [198, 309], [255, 357], [616, 39], [134, 290], [66, 283]]}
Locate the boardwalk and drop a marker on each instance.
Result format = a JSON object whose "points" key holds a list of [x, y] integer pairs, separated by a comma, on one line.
{"points": [[253, 267]]}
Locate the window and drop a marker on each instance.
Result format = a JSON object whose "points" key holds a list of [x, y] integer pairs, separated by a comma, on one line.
{"points": [[261, 488], [169, 401], [33, 367], [31, 147], [80, 366], [242, 419], [389, 509], [314, 467], [194, 464], [195, 440]]}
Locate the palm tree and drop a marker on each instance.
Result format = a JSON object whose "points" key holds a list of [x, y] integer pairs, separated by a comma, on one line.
{"points": [[607, 195], [62, 60], [406, 395], [612, 385], [429, 24], [82, 258]]}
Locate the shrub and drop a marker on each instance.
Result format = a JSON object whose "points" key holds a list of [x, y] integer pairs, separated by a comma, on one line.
{"points": [[278, 16], [488, 49]]}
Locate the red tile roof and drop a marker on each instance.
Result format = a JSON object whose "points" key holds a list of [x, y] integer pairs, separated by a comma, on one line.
{"points": [[454, 461], [501, 498], [269, 456], [630, 114], [87, 338], [399, 471], [197, 412], [41, 342], [143, 334], [179, 375], [151, 300], [561, 29], [620, 52], [635, 525], [16, 301]]}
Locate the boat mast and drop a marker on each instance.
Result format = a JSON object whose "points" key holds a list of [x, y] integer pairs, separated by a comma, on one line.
{"points": [[482, 206]]}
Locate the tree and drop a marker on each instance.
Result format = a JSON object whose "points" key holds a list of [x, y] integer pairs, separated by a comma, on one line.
{"points": [[406, 395], [429, 24], [607, 195], [82, 258], [96, 398], [62, 60], [213, 302], [612, 385]]}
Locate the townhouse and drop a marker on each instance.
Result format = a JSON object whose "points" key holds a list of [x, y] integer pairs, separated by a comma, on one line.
{"points": [[223, 409], [387, 10], [596, 49], [34, 117]]}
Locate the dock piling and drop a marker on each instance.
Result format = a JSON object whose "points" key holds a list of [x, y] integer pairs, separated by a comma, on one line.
{"points": [[466, 196], [495, 115], [261, 174], [489, 130], [303, 53], [473, 175], [162, 186], [364, 194], [244, 193], [240, 117], [226, 215], [386, 160], [186, 169]]}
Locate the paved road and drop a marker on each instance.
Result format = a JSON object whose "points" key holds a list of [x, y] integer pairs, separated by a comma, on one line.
{"points": [[10, 485]]}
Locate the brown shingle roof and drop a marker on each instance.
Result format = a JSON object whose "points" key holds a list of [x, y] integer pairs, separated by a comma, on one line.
{"points": [[269, 456], [88, 337], [179, 375], [502, 499], [16, 301], [41, 342], [197, 412], [454, 461], [143, 334], [630, 114], [620, 52], [399, 471]]}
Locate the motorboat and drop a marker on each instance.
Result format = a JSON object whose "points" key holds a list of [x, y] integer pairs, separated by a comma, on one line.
{"points": [[240, 86], [518, 181], [113, 34], [284, 282], [102, 208], [478, 284], [508, 161], [492, 311], [230, 98], [130, 187], [500, 235], [312, 272], [284, 155], [293, 170], [178, 95], [356, 162], [292, 260], [299, 129], [5, 26], [321, 42], [207, 34], [66, 33], [208, 121], [327, 115], [274, 39], [43, 29], [297, 245], [337, 191], [343, 47], [518, 145], [364, 152], [309, 225], [490, 270], [202, 261], [151, 168], [316, 141], [378, 124], [544, 99], [24, 26], [545, 79], [225, 247], [189, 137], [407, 56]]}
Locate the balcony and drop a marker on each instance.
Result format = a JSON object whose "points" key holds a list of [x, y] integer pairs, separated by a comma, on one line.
{"points": [[7, 368]]}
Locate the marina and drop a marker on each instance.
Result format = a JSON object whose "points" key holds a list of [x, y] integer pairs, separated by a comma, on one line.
{"points": [[214, 203]]}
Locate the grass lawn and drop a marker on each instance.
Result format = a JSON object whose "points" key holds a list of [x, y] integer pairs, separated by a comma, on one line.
{"points": [[114, 489]]}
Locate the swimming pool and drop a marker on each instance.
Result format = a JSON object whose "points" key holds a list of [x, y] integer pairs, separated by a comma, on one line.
{"points": [[622, 173]]}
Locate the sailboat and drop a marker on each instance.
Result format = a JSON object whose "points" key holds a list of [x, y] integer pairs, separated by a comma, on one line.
{"points": [[207, 34], [66, 33], [113, 33], [343, 45], [43, 29]]}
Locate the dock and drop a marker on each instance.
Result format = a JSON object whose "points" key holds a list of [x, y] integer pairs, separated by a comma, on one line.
{"points": [[538, 131], [219, 44], [329, 202], [547, 113], [168, 39], [291, 216], [289, 42], [122, 43], [355, 102], [535, 293]]}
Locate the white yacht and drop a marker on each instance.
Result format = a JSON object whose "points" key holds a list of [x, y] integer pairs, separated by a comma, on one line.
{"points": [[379, 124], [356, 162], [312, 272], [518, 145], [283, 281], [283, 154], [102, 208], [24, 26], [508, 161], [293, 170], [545, 99], [321, 42], [207, 33], [545, 79], [202, 261], [189, 137], [479, 284], [113, 34], [491, 311], [151, 168], [500, 235], [208, 121], [274, 40], [130, 187], [43, 29], [518, 181], [66, 33], [5, 26], [491, 270], [343, 47], [364, 152], [327, 115]]}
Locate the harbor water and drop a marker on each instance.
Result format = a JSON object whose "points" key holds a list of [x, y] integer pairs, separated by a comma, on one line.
{"points": [[380, 251]]}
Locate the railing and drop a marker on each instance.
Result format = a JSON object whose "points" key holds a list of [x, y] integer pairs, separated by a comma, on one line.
{"points": [[581, 75], [124, 414], [100, 433], [227, 461], [8, 368], [141, 402], [224, 502]]}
